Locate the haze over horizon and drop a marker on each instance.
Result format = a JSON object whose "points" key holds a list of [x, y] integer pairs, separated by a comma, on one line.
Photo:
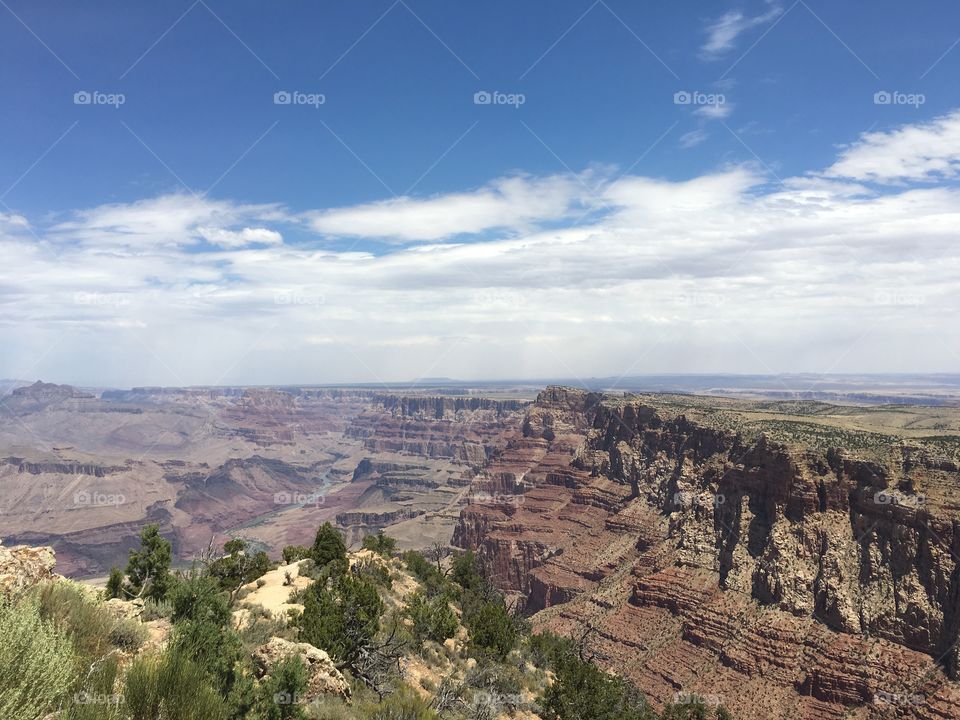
{"points": [[217, 194]]}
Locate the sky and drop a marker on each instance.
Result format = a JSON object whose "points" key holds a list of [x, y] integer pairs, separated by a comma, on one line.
{"points": [[212, 192]]}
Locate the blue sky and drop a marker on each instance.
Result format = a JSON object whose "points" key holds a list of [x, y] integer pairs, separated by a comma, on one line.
{"points": [[632, 156]]}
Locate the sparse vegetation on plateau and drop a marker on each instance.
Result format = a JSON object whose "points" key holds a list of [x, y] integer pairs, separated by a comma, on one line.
{"points": [[415, 639]]}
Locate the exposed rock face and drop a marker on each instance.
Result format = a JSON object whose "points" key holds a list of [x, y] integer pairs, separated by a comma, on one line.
{"points": [[465, 430], [324, 678], [22, 567], [63, 468], [704, 559]]}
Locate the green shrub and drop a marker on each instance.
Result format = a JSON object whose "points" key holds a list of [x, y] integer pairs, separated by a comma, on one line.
{"points": [[492, 630], [582, 690], [88, 624], [405, 704], [170, 687], [328, 547], [148, 569], [114, 587], [695, 709], [380, 544], [128, 635], [374, 571], [341, 615], [156, 609], [281, 691], [293, 553], [239, 566], [328, 707], [432, 619], [259, 630], [38, 666], [198, 597], [466, 572], [426, 572]]}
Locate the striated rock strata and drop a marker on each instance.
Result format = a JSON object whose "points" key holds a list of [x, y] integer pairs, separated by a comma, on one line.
{"points": [[782, 577]]}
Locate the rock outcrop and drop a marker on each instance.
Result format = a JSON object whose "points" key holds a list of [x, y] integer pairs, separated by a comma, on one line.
{"points": [[324, 678], [22, 567]]}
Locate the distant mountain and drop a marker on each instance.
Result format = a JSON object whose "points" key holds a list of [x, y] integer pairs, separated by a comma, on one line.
{"points": [[40, 395]]}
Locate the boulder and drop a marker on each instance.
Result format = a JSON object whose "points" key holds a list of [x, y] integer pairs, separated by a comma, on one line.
{"points": [[125, 609], [324, 678], [22, 567]]}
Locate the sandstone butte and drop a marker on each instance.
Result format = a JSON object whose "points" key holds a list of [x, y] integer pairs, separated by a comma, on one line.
{"points": [[784, 571]]}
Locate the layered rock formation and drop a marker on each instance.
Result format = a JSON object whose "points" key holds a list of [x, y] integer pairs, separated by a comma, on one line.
{"points": [[726, 551]]}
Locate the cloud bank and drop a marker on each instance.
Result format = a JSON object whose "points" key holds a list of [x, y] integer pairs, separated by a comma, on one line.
{"points": [[854, 268]]}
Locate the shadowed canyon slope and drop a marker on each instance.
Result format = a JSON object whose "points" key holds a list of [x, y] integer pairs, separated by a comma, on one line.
{"points": [[791, 559]]}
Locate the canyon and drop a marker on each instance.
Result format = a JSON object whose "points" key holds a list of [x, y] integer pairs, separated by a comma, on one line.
{"points": [[782, 556], [83, 472], [786, 559]]}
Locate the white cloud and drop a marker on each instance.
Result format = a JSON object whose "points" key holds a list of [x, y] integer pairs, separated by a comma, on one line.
{"points": [[722, 33], [922, 152], [513, 203], [242, 238], [714, 111], [169, 220], [692, 139], [666, 275]]}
